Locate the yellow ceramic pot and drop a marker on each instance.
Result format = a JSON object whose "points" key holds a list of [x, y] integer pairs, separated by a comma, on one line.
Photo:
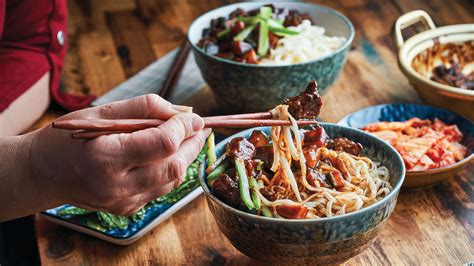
{"points": [[455, 99]]}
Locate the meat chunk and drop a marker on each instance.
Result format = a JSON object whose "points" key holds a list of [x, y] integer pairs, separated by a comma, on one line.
{"points": [[311, 156], [314, 176], [306, 105], [258, 139], [209, 45], [240, 48], [226, 189], [237, 27], [336, 179], [239, 12], [292, 211], [453, 76], [251, 57], [240, 148], [315, 137], [254, 167], [346, 145], [294, 18], [273, 40], [265, 153]]}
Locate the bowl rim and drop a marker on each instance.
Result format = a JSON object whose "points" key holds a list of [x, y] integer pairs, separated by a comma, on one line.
{"points": [[393, 193], [421, 172], [416, 39], [326, 9]]}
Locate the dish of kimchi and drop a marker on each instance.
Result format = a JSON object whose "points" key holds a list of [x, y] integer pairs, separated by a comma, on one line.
{"points": [[423, 144]]}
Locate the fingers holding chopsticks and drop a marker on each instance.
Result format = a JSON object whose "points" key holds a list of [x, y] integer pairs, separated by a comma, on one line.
{"points": [[171, 169], [146, 106], [152, 144]]}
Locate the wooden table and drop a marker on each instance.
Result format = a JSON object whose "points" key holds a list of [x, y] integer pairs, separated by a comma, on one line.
{"points": [[111, 40]]}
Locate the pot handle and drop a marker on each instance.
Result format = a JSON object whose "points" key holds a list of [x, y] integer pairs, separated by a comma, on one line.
{"points": [[408, 19]]}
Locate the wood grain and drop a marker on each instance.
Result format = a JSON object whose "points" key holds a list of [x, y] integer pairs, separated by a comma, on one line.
{"points": [[433, 226], [133, 45]]}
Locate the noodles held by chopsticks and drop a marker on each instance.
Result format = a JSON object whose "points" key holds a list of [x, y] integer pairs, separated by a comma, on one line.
{"points": [[299, 173], [365, 182]]}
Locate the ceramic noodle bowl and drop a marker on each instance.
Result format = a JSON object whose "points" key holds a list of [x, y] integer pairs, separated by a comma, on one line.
{"points": [[249, 88], [310, 241], [434, 41]]}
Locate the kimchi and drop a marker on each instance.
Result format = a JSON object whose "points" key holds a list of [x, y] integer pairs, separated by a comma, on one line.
{"points": [[423, 144]]}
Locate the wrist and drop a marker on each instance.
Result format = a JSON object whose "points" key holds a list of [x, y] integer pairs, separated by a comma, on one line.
{"points": [[36, 169]]}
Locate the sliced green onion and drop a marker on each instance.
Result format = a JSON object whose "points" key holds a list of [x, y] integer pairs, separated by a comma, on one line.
{"points": [[273, 23], [249, 20], [266, 211], [243, 184], [277, 21], [223, 33], [283, 31], [255, 198], [211, 149], [217, 172], [244, 33], [263, 44], [213, 166], [265, 12]]}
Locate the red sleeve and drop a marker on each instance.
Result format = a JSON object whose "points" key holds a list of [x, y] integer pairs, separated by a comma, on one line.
{"points": [[2, 16], [33, 42]]}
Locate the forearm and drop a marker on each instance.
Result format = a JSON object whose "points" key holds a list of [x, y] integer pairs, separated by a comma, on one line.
{"points": [[20, 188], [26, 109]]}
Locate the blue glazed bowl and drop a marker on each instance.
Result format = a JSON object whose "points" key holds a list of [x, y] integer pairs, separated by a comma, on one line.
{"points": [[405, 111], [249, 88], [310, 241]]}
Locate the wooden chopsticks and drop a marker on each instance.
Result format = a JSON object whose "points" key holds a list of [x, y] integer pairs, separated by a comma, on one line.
{"points": [[175, 70], [93, 128]]}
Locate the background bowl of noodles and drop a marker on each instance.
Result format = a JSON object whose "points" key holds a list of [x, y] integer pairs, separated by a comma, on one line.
{"points": [[250, 88], [310, 241]]}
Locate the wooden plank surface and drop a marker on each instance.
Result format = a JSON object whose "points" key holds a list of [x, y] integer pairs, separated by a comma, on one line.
{"points": [[433, 226]]}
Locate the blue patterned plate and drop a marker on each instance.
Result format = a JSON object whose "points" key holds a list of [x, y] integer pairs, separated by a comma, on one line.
{"points": [[405, 111], [152, 215]]}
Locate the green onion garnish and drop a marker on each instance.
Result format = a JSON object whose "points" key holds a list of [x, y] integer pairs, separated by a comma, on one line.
{"points": [[211, 149], [263, 44], [255, 198], [244, 184], [244, 33], [222, 34]]}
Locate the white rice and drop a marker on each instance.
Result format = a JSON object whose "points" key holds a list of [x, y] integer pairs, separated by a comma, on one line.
{"points": [[310, 44]]}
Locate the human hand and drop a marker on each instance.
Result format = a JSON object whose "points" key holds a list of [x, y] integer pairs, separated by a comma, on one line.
{"points": [[117, 173]]}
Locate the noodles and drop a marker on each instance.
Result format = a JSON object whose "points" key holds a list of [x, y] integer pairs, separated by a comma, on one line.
{"points": [[362, 182], [310, 44], [299, 173]]}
